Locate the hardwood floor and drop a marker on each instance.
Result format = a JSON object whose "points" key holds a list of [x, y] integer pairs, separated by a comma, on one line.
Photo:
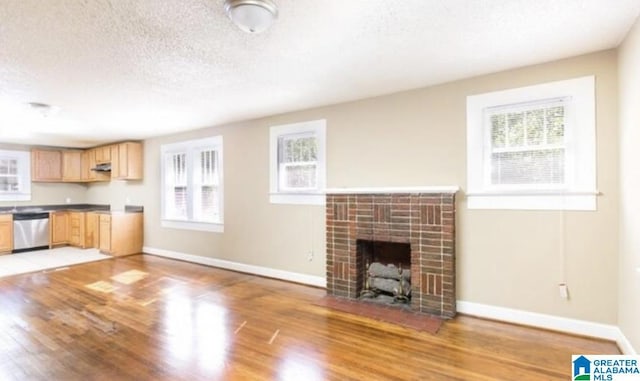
{"points": [[150, 318]]}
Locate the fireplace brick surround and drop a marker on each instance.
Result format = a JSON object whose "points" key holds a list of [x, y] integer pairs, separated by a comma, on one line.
{"points": [[424, 218]]}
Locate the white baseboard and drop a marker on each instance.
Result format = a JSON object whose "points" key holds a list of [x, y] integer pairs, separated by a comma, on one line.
{"points": [[311, 280], [554, 323], [624, 344]]}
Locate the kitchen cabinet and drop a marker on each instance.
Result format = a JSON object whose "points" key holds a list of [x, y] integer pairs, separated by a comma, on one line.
{"points": [[121, 233], [77, 229], [59, 228], [89, 162], [71, 166], [104, 233], [66, 165], [6, 233], [103, 154], [126, 161], [92, 229], [46, 165]]}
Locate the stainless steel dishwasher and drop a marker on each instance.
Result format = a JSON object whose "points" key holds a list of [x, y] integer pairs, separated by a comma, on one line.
{"points": [[30, 231]]}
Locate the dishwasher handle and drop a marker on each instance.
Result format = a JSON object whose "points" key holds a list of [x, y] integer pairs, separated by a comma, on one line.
{"points": [[30, 216]]}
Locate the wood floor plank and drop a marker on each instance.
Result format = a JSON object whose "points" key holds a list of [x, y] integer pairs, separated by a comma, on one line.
{"points": [[148, 318]]}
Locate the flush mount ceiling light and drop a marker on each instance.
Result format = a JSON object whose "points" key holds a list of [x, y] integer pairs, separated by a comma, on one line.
{"points": [[252, 16], [42, 109]]}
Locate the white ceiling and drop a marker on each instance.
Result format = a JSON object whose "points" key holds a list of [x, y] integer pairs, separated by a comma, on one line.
{"points": [[131, 69]]}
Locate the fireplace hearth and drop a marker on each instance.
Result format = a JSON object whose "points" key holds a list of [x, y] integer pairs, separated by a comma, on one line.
{"points": [[406, 237]]}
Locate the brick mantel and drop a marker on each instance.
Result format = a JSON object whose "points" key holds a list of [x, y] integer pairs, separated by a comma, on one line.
{"points": [[424, 217], [446, 189]]}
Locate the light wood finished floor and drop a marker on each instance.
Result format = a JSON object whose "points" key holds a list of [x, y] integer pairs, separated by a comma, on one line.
{"points": [[150, 318]]}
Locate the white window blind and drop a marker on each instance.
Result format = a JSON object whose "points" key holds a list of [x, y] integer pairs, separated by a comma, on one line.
{"points": [[533, 147], [192, 178], [206, 186], [527, 145], [176, 186]]}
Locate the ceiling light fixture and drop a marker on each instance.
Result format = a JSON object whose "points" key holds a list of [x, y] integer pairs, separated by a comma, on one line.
{"points": [[43, 109], [252, 16]]}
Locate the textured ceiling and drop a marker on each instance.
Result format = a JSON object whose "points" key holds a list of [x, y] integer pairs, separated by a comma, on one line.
{"points": [[131, 69]]}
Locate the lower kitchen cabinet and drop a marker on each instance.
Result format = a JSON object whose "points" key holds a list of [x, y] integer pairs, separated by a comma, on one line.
{"points": [[92, 230], [121, 233], [6, 233], [59, 228], [77, 229], [105, 233]]}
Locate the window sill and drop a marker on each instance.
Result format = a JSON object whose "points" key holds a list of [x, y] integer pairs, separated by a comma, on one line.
{"points": [[15, 197], [533, 200], [298, 198], [191, 225]]}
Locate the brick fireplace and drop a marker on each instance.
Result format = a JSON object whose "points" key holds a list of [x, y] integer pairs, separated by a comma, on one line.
{"points": [[424, 218]]}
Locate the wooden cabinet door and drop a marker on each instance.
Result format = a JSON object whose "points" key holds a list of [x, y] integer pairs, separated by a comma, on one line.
{"points": [[59, 228], [6, 233], [103, 154], [89, 162], [126, 233], [116, 171], [105, 233], [91, 230], [71, 166], [126, 161], [46, 165], [77, 229]]}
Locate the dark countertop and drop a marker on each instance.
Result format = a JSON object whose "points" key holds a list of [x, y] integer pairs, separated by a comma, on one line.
{"points": [[67, 207]]}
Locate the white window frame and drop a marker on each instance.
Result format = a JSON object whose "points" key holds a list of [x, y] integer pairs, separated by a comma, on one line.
{"points": [[191, 147], [579, 190], [306, 196], [24, 176]]}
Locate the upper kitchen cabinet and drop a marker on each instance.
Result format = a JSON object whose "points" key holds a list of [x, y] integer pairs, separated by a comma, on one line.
{"points": [[103, 154], [121, 161], [71, 166], [89, 172], [46, 165], [126, 161]]}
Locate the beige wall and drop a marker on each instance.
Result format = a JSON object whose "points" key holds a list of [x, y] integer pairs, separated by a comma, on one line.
{"points": [[48, 193], [629, 272], [505, 258]]}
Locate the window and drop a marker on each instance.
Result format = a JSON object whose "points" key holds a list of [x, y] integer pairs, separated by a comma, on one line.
{"points": [[192, 185], [298, 174], [15, 176], [533, 147]]}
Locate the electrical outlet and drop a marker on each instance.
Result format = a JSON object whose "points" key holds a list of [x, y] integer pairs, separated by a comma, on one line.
{"points": [[67, 200], [564, 291], [310, 256]]}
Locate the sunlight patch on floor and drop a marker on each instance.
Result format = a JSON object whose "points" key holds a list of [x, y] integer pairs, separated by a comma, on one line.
{"points": [[129, 277], [101, 286]]}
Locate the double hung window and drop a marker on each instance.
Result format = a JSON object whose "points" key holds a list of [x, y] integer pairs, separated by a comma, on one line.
{"points": [[192, 184], [15, 175], [533, 147], [298, 163]]}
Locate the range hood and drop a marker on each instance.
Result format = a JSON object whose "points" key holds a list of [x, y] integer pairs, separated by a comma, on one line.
{"points": [[106, 167]]}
